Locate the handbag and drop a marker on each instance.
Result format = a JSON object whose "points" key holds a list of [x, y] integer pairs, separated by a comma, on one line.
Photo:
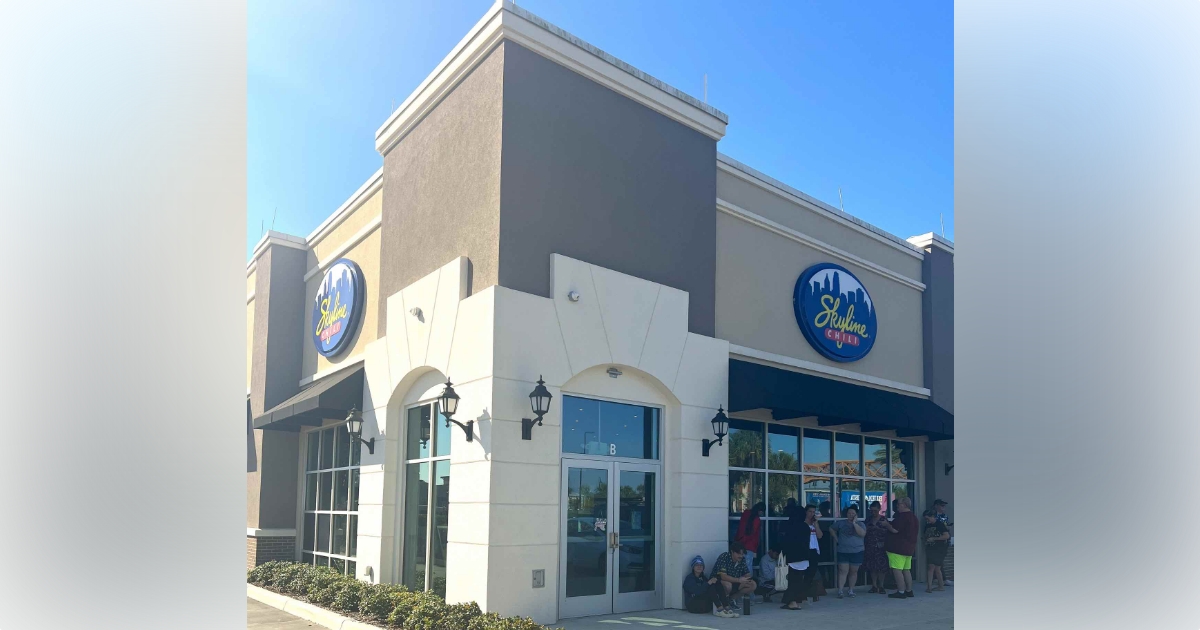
{"points": [[781, 572]]}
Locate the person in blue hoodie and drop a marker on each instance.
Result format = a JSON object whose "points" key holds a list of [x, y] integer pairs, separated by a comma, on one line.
{"points": [[700, 594]]}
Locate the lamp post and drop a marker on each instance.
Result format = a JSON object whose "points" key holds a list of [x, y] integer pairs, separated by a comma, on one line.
{"points": [[539, 400], [449, 406], [354, 423], [720, 424]]}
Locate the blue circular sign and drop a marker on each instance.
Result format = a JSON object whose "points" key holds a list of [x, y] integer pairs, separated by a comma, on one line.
{"points": [[835, 312], [338, 308]]}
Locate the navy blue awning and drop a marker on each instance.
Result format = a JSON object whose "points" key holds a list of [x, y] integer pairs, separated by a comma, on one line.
{"points": [[329, 398], [794, 395]]}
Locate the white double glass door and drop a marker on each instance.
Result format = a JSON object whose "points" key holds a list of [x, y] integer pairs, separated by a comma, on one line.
{"points": [[610, 532]]}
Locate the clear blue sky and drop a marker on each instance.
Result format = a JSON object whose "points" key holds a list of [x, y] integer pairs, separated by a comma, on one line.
{"points": [[820, 95]]}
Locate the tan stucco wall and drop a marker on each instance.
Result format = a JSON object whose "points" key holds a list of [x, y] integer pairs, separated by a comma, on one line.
{"points": [[249, 341], [366, 254], [364, 214], [816, 224], [756, 275]]}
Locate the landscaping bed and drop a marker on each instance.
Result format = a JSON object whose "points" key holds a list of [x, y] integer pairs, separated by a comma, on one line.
{"points": [[386, 605]]}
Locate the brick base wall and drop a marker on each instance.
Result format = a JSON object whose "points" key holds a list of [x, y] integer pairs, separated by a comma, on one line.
{"points": [[262, 549]]}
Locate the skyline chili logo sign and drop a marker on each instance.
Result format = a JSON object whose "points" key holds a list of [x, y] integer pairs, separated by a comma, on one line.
{"points": [[835, 312], [337, 310]]}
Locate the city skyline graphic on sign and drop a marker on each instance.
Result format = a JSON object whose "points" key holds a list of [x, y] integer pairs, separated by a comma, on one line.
{"points": [[836, 313], [336, 306]]}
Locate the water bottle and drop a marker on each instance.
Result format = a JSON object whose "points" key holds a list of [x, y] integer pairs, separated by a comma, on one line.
{"points": [[746, 604]]}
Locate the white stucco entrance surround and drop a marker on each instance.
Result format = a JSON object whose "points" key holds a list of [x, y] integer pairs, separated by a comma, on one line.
{"points": [[504, 493]]}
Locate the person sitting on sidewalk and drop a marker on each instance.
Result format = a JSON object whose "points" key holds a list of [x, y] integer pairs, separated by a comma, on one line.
{"points": [[700, 595], [731, 570], [766, 573]]}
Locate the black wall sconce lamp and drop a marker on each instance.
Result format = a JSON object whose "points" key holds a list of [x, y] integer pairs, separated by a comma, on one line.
{"points": [[720, 424], [449, 406], [949, 467], [539, 400], [354, 424]]}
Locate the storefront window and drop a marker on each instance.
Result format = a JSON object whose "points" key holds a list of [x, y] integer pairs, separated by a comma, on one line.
{"points": [[330, 522], [783, 448], [426, 483], [829, 470], [875, 457], [745, 489], [902, 460], [850, 494], [847, 454], [599, 427], [783, 487], [816, 451], [816, 492], [745, 444], [877, 491]]}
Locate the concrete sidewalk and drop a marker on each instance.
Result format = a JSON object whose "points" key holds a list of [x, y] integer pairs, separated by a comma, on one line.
{"points": [[926, 611], [260, 616], [866, 612]]}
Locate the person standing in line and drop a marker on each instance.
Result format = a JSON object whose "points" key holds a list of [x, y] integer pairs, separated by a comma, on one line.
{"points": [[849, 535], [700, 595], [800, 549], [749, 531], [874, 557], [816, 585], [939, 507], [937, 540], [901, 546]]}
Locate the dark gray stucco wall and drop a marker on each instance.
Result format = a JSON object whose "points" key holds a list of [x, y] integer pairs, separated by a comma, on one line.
{"points": [[441, 188], [275, 377], [278, 327], [590, 174], [938, 307]]}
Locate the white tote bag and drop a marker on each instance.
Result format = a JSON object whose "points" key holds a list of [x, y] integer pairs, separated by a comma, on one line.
{"points": [[781, 571]]}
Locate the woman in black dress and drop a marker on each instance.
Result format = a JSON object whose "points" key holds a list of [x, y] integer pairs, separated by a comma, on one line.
{"points": [[798, 549]]}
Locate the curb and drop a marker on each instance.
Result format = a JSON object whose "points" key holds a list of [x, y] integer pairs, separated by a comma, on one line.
{"points": [[305, 610]]}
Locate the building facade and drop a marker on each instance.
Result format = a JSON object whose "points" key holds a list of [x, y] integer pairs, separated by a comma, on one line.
{"points": [[547, 213]]}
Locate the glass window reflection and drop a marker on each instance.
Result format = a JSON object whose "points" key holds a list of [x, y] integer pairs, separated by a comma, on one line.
{"points": [[745, 489], [902, 460], [745, 441], [816, 451], [817, 493], [780, 488], [783, 444], [847, 454], [597, 427], [875, 457]]}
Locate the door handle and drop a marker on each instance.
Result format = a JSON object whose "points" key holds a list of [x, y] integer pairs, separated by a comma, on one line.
{"points": [[614, 540]]}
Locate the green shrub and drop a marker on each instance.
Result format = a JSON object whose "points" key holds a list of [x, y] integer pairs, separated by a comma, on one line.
{"points": [[298, 587], [348, 596], [283, 575], [378, 600], [406, 603], [427, 614], [389, 604], [324, 586], [260, 574], [459, 616], [486, 621], [516, 623]]}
